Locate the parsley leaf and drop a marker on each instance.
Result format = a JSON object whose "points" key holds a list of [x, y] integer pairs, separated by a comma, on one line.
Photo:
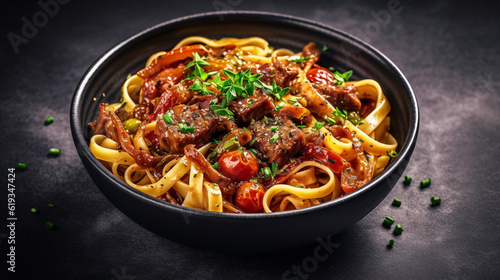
{"points": [[278, 92], [201, 87], [221, 110], [341, 114], [341, 78], [197, 60]]}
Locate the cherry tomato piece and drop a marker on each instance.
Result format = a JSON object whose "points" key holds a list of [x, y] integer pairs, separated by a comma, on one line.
{"points": [[325, 156], [170, 57], [249, 197], [238, 165], [320, 75]]}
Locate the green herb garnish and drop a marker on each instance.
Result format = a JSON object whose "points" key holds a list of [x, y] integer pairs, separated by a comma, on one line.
{"points": [[435, 200], [185, 128], [388, 221], [49, 120], [221, 110], [54, 152], [341, 78], [392, 154], [396, 202], [425, 183], [275, 137], [167, 118], [318, 125], [398, 229], [407, 180]]}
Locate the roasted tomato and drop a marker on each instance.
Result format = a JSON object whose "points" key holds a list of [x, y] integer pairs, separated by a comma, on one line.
{"points": [[238, 165], [325, 156], [170, 57], [320, 75], [249, 197]]}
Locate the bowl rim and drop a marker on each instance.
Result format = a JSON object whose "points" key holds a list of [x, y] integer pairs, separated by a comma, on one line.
{"points": [[79, 139]]}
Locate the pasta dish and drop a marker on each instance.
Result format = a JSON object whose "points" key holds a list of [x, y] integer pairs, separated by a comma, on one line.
{"points": [[235, 125]]}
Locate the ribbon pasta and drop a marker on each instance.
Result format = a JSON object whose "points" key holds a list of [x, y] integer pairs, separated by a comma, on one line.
{"points": [[309, 183]]}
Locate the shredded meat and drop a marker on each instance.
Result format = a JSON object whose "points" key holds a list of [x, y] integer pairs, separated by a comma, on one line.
{"points": [[289, 140], [315, 137], [281, 74], [342, 97], [99, 126], [253, 107], [297, 114], [173, 140], [197, 158]]}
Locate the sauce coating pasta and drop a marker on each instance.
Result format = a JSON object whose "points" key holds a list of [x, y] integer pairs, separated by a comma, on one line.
{"points": [[234, 125]]}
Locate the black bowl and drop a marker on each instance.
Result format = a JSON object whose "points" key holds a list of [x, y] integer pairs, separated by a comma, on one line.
{"points": [[248, 232]]}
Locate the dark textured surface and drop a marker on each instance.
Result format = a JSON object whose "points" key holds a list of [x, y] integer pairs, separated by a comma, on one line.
{"points": [[449, 53]]}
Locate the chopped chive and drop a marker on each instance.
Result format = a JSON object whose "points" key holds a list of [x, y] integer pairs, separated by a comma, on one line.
{"points": [[50, 225], [331, 68], [123, 105], [293, 100], [407, 180], [278, 108], [398, 229], [54, 152], [167, 118], [275, 137], [331, 120], [391, 242], [266, 171], [264, 119], [435, 200], [185, 128], [325, 47], [425, 183], [34, 210], [388, 221], [253, 141], [392, 154], [301, 126], [396, 202], [49, 120], [253, 151], [21, 166], [216, 165], [51, 205], [274, 128]]}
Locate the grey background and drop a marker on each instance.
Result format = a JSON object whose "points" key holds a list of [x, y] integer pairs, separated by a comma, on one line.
{"points": [[448, 50]]}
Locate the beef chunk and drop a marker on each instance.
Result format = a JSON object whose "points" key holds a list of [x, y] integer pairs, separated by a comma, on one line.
{"points": [[283, 75], [343, 97], [173, 140], [122, 114], [289, 140], [251, 108]]}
